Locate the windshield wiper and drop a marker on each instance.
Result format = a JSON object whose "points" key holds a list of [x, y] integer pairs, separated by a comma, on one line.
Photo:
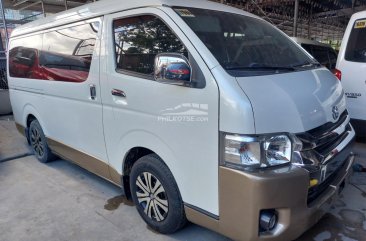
{"points": [[306, 64], [256, 68]]}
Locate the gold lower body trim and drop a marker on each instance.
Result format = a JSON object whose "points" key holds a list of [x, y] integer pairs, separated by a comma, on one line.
{"points": [[90, 163], [243, 195]]}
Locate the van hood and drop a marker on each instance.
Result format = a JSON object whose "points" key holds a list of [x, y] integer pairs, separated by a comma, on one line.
{"points": [[293, 102]]}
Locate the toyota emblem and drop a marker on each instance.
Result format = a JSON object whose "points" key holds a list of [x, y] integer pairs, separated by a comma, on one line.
{"points": [[335, 112]]}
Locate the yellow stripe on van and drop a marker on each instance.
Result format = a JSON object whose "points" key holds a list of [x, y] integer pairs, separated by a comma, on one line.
{"points": [[360, 24]]}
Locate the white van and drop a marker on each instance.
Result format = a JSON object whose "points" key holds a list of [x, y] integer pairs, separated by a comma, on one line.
{"points": [[199, 111], [351, 70]]}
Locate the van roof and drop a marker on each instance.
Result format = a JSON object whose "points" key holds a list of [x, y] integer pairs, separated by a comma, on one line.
{"points": [[357, 15], [110, 6]]}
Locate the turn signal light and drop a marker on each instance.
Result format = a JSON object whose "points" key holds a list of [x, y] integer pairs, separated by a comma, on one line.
{"points": [[338, 74]]}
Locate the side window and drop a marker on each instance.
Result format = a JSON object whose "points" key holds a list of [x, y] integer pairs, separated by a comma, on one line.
{"points": [[23, 55], [139, 39], [67, 53], [356, 47], [321, 55]]}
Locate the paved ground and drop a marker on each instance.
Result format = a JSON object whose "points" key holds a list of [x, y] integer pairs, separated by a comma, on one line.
{"points": [[61, 202], [12, 144]]}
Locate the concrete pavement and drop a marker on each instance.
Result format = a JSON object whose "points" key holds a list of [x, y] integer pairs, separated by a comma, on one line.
{"points": [[60, 201], [12, 144]]}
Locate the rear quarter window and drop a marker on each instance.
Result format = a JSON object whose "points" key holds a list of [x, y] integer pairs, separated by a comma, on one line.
{"points": [[58, 55], [356, 46]]}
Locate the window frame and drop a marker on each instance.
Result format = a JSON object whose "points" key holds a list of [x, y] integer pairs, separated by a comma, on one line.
{"points": [[133, 73]]}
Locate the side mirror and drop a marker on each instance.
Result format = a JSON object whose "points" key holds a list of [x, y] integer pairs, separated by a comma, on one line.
{"points": [[172, 68]]}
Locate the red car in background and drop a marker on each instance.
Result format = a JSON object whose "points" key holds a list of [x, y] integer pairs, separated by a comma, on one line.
{"points": [[46, 65]]}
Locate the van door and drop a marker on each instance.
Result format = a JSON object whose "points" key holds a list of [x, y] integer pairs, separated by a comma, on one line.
{"points": [[178, 123], [72, 107], [352, 64]]}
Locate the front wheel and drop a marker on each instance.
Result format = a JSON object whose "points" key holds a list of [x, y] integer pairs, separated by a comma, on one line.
{"points": [[156, 195]]}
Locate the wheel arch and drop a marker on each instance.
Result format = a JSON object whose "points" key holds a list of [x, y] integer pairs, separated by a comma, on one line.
{"points": [[138, 144], [29, 114], [129, 160]]}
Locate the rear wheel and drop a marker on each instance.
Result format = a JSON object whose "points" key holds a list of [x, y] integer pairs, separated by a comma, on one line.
{"points": [[156, 195], [38, 143]]}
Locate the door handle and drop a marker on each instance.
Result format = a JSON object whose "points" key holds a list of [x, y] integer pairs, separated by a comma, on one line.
{"points": [[119, 93], [93, 92]]}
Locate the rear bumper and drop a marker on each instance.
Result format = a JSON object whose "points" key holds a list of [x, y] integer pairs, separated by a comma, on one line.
{"points": [[244, 195]]}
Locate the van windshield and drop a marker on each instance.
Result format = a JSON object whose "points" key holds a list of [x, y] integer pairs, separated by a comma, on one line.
{"points": [[245, 46]]}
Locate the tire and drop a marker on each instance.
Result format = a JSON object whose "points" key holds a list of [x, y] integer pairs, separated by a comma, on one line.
{"points": [[38, 143], [160, 206]]}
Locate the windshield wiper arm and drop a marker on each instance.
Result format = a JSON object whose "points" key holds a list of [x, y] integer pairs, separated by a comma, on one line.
{"points": [[306, 64], [254, 68]]}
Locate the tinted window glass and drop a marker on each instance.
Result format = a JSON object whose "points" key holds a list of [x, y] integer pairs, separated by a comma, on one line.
{"points": [[65, 55], [333, 58], [34, 41], [356, 47], [139, 39], [23, 55], [321, 54], [244, 45], [307, 47], [324, 55]]}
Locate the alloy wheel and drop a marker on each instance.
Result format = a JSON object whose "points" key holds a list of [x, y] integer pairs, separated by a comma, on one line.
{"points": [[36, 142], [152, 197]]}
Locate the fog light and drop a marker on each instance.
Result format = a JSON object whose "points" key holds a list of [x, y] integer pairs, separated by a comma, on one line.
{"points": [[267, 220]]}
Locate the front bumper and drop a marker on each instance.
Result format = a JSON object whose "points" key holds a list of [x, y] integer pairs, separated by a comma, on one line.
{"points": [[243, 195], [327, 159], [285, 190]]}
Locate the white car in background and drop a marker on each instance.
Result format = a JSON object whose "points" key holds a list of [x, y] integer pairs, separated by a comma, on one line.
{"points": [[351, 70]]}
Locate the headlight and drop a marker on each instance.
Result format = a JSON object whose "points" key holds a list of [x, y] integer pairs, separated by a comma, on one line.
{"points": [[250, 153]]}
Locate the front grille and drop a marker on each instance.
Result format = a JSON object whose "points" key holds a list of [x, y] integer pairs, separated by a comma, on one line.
{"points": [[320, 153], [328, 127], [321, 137], [327, 147], [3, 77]]}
